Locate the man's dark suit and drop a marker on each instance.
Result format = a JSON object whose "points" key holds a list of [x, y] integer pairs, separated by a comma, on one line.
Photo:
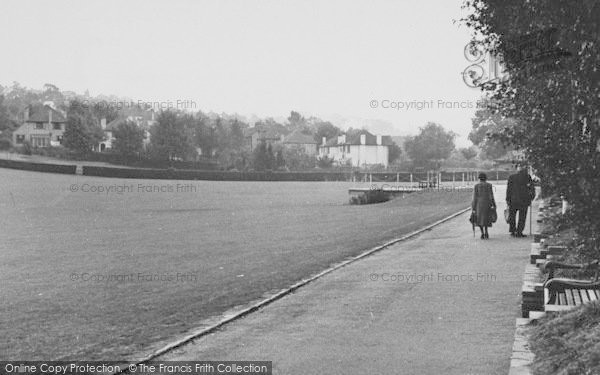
{"points": [[519, 194]]}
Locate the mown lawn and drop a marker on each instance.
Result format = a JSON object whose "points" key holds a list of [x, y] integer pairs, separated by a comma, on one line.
{"points": [[229, 242]]}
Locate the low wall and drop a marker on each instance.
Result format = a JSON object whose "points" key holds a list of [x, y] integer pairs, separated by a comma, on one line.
{"points": [[38, 167]]}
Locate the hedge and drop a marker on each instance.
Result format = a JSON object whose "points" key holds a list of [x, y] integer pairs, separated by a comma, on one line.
{"points": [[38, 167], [178, 174], [187, 174]]}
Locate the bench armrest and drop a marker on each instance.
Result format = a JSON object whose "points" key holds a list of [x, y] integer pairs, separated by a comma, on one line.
{"points": [[559, 284]]}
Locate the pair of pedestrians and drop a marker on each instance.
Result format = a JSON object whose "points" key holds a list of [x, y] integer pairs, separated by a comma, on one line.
{"points": [[520, 191]]}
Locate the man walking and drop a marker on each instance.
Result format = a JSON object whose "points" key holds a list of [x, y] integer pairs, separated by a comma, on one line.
{"points": [[519, 194]]}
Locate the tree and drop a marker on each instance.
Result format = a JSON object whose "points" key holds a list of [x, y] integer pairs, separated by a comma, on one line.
{"points": [[325, 129], [394, 152], [129, 139], [260, 158], [5, 121], [468, 152], [551, 55], [486, 124], [279, 159], [432, 145], [296, 121], [172, 137], [204, 134], [296, 159], [82, 131]]}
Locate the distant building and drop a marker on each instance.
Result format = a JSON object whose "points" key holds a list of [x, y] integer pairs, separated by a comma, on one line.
{"points": [[144, 120], [305, 142], [359, 149], [42, 126], [258, 134]]}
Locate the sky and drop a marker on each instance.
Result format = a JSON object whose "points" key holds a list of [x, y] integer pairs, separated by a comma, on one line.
{"points": [[388, 65]]}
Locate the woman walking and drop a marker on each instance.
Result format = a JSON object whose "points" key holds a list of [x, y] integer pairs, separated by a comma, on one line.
{"points": [[483, 205]]}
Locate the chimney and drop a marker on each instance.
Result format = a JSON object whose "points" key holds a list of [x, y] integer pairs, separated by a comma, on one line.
{"points": [[26, 113], [103, 123], [378, 140], [324, 140], [49, 116], [363, 139], [342, 139]]}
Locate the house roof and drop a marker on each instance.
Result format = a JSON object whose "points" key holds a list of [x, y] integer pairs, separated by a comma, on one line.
{"points": [[263, 134], [354, 139], [299, 138], [111, 126], [42, 114]]}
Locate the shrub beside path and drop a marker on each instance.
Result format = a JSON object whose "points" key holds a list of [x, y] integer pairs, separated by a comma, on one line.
{"points": [[373, 316]]}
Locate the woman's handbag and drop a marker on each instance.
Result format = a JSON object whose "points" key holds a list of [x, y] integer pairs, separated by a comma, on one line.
{"points": [[493, 215]]}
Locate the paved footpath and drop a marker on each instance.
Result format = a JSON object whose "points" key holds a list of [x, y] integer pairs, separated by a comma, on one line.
{"points": [[367, 319]]}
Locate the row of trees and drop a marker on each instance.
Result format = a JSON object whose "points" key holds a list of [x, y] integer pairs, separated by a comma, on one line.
{"points": [[179, 135]]}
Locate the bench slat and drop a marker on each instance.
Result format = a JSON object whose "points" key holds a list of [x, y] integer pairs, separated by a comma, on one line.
{"points": [[594, 296], [561, 299], [577, 297], [570, 300], [584, 296]]}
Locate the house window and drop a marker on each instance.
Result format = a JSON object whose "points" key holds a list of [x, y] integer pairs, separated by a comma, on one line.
{"points": [[57, 126], [39, 125], [59, 138], [39, 141], [20, 138]]}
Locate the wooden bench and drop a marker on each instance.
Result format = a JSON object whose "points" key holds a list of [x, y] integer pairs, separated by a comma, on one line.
{"points": [[562, 294], [532, 291], [565, 294]]}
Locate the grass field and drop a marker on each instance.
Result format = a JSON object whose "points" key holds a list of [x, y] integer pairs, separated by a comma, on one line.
{"points": [[220, 246]]}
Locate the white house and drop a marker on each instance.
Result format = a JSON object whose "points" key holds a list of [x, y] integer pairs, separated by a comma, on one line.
{"points": [[360, 149]]}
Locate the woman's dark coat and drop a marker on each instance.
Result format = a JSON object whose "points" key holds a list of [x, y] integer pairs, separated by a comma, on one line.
{"points": [[483, 201]]}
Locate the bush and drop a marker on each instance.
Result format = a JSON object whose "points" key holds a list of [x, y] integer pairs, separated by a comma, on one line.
{"points": [[5, 144], [568, 343], [55, 152], [26, 148]]}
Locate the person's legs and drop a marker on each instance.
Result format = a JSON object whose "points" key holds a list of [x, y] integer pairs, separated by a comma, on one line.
{"points": [[522, 220], [512, 212], [482, 233], [486, 234]]}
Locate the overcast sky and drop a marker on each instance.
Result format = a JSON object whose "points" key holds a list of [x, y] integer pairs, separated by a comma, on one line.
{"points": [[325, 58]]}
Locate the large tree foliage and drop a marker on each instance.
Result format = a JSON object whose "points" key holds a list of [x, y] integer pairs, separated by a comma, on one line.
{"points": [[551, 53], [6, 123], [325, 129], [432, 145], [486, 123], [172, 138], [82, 131], [129, 139], [394, 152]]}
